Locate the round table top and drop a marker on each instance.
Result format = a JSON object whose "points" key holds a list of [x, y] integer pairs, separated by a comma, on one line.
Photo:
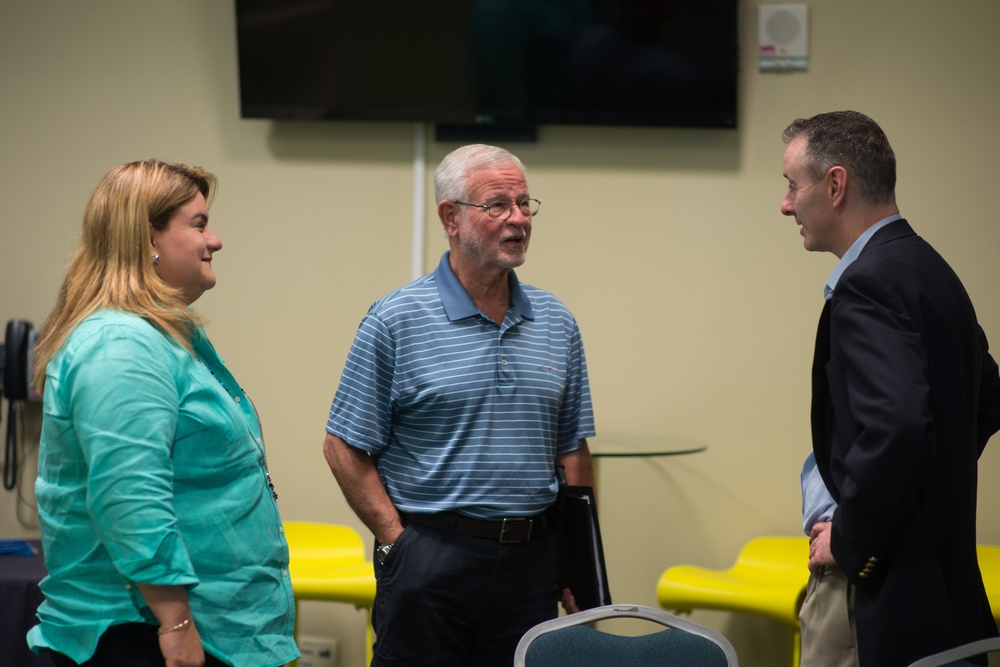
{"points": [[629, 445]]}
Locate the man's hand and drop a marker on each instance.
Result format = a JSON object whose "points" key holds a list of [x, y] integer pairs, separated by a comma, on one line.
{"points": [[819, 546], [569, 602]]}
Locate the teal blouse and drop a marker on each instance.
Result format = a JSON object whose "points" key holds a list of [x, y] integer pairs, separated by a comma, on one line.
{"points": [[152, 470]]}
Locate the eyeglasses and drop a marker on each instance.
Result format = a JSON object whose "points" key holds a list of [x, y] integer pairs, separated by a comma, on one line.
{"points": [[502, 210]]}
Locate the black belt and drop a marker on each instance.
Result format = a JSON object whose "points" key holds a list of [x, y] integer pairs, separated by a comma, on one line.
{"points": [[506, 531]]}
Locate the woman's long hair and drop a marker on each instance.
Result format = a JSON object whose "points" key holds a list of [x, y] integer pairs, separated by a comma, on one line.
{"points": [[113, 266]]}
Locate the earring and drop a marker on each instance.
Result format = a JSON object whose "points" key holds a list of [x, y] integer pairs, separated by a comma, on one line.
{"points": [[156, 259]]}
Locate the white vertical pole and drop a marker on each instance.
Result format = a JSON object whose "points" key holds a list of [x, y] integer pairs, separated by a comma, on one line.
{"points": [[419, 200]]}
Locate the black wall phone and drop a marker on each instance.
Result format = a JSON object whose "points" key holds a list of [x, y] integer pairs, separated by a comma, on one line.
{"points": [[18, 356], [15, 368]]}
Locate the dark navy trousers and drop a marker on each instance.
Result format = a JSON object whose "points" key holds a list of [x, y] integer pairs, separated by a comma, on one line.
{"points": [[457, 601]]}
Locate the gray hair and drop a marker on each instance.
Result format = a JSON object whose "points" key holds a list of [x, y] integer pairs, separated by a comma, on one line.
{"points": [[451, 178], [851, 140]]}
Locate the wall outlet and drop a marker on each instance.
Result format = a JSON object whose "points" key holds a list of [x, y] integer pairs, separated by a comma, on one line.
{"points": [[319, 652]]}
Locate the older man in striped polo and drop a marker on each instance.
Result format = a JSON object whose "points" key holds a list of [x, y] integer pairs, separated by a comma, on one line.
{"points": [[462, 393]]}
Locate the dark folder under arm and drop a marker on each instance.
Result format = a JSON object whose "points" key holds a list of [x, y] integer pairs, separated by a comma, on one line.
{"points": [[581, 552]]}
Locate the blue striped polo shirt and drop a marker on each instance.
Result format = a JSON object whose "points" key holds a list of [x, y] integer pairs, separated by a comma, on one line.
{"points": [[460, 414]]}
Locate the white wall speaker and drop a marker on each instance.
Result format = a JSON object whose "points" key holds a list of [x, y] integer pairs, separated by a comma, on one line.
{"points": [[783, 36]]}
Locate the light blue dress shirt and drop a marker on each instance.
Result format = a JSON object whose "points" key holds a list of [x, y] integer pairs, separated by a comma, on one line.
{"points": [[151, 470], [817, 503]]}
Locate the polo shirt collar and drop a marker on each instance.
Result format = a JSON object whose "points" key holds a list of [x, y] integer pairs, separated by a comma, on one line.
{"points": [[458, 304]]}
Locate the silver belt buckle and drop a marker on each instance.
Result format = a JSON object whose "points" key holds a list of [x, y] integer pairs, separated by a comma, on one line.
{"points": [[517, 520]]}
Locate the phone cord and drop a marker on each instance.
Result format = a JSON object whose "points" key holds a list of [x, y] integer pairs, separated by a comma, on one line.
{"points": [[10, 449]]}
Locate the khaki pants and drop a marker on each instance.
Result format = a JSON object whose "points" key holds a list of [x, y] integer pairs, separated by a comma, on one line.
{"points": [[829, 634]]}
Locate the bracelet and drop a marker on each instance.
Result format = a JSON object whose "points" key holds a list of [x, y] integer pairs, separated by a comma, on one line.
{"points": [[180, 626]]}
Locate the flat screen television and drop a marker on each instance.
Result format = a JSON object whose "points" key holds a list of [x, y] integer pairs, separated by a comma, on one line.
{"points": [[491, 64]]}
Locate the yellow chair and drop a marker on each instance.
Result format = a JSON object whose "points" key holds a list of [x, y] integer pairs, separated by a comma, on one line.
{"points": [[327, 562], [989, 565], [769, 578]]}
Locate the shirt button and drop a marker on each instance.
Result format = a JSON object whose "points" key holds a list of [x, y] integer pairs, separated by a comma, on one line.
{"points": [[503, 362], [284, 573], [236, 398]]}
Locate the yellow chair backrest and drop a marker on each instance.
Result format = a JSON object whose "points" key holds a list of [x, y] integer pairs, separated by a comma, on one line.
{"points": [[768, 578], [781, 559], [323, 544]]}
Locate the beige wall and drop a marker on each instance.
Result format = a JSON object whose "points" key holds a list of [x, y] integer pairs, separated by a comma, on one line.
{"points": [[697, 303]]}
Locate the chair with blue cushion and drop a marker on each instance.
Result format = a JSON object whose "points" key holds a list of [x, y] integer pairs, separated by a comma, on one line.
{"points": [[955, 657], [568, 640]]}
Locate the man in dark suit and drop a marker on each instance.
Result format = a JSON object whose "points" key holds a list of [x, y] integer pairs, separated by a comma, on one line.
{"points": [[905, 397]]}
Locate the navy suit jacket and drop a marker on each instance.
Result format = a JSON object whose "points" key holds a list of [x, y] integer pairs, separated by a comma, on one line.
{"points": [[905, 397]]}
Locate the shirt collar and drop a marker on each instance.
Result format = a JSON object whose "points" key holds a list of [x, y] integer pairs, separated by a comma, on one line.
{"points": [[852, 254], [459, 305]]}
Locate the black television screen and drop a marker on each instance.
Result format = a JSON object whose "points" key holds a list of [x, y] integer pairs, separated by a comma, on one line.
{"points": [[491, 62]]}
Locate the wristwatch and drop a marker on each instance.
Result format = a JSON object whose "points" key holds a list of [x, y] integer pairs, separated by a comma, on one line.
{"points": [[382, 553]]}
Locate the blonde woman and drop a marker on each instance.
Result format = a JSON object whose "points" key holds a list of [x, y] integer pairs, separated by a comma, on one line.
{"points": [[160, 526]]}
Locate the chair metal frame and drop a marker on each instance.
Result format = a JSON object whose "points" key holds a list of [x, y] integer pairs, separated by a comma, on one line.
{"points": [[959, 652], [623, 611]]}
